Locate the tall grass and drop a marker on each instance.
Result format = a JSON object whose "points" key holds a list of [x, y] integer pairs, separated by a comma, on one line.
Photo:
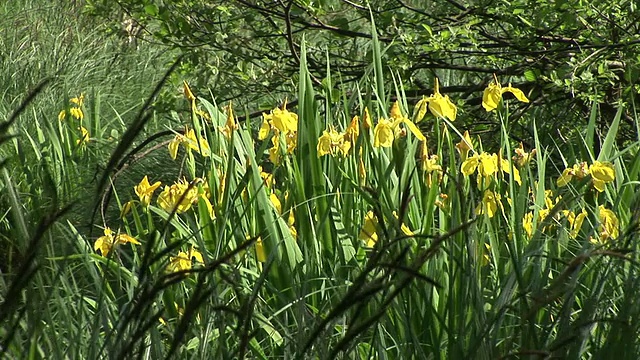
{"points": [[268, 248]]}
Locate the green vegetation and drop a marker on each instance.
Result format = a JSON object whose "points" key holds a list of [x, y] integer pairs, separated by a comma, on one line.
{"points": [[347, 203]]}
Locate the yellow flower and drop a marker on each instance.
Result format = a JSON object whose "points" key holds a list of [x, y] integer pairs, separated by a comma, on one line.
{"points": [[187, 92], [78, 101], [403, 227], [470, 165], [173, 146], [441, 106], [200, 145], [261, 254], [62, 115], [184, 260], [326, 142], [575, 222], [609, 224], [383, 134], [489, 205], [366, 119], [601, 174], [386, 131], [527, 224], [106, 243], [274, 151], [333, 142], [265, 129], [276, 203], [522, 157], [369, 231], [144, 190], [230, 125], [189, 141], [488, 164], [126, 209], [412, 127], [493, 94], [267, 178], [353, 130], [443, 202], [420, 110], [283, 119], [76, 113], [84, 137], [565, 177], [464, 146], [179, 196], [429, 163], [505, 166]]}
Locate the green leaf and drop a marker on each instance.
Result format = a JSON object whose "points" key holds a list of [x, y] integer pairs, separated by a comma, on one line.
{"points": [[151, 9], [530, 75]]}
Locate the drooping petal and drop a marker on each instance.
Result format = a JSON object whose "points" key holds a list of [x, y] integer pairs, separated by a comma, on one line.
{"points": [[516, 92], [173, 147], [414, 130], [565, 178], [420, 110]]}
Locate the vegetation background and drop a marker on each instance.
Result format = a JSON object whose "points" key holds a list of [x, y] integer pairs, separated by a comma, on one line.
{"points": [[302, 279]]}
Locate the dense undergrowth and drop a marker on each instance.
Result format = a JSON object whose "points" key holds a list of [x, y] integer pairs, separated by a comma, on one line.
{"points": [[352, 225]]}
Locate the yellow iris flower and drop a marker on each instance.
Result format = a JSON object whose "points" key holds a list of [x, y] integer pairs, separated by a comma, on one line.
{"points": [[145, 190], [106, 242], [493, 94], [184, 260], [439, 105], [609, 224], [386, 130]]}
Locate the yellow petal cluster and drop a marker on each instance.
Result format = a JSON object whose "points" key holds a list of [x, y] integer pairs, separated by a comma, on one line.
{"points": [[488, 166], [601, 174], [280, 122], [84, 136], [179, 196], [575, 221], [75, 110], [332, 142], [190, 142], [184, 260], [522, 158], [145, 190], [106, 242], [493, 94], [609, 224], [369, 231], [231, 123], [439, 105], [388, 130], [490, 204], [464, 146], [187, 92]]}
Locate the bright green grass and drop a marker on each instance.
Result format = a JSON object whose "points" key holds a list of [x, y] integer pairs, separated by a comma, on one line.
{"points": [[455, 282]]}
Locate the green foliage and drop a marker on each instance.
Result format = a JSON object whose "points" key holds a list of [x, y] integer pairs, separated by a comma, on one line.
{"points": [[333, 231], [563, 55]]}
